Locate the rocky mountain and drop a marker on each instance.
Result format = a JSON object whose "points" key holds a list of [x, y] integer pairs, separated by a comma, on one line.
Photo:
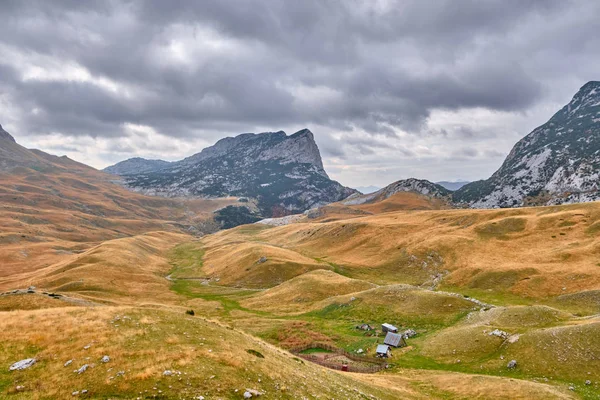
{"points": [[283, 173], [557, 163], [136, 165], [418, 186]]}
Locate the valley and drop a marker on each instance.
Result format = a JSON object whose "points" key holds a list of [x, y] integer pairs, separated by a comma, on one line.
{"points": [[452, 276]]}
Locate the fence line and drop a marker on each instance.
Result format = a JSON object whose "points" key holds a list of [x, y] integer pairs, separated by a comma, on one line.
{"points": [[323, 361]]}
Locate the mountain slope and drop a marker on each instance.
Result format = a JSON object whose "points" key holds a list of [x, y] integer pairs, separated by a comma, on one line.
{"points": [[559, 162], [136, 165], [284, 173], [412, 185], [51, 207]]}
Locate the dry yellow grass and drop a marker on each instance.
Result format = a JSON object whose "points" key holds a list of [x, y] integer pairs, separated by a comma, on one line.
{"points": [[239, 264], [302, 293], [213, 360], [464, 386], [534, 252], [128, 270]]}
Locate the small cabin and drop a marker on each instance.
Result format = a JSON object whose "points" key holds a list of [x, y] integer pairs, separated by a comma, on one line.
{"points": [[383, 350], [394, 340], [388, 328]]}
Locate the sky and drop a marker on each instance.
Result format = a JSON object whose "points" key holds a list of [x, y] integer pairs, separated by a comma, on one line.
{"points": [[438, 90]]}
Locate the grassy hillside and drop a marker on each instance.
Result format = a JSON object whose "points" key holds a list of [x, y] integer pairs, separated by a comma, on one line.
{"points": [[478, 287], [530, 252]]}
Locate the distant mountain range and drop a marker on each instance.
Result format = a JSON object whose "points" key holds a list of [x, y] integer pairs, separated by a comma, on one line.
{"points": [[283, 173]]}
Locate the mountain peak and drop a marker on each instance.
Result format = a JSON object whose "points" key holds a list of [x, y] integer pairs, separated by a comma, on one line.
{"points": [[304, 132], [6, 135], [591, 85]]}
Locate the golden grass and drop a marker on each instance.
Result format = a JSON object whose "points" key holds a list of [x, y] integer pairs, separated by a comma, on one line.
{"points": [[212, 359], [528, 252], [302, 293], [238, 264], [464, 386]]}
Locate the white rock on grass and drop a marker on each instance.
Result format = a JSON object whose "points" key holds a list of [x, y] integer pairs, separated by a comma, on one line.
{"points": [[23, 364], [105, 359], [250, 393], [68, 363], [512, 364], [83, 368], [499, 333]]}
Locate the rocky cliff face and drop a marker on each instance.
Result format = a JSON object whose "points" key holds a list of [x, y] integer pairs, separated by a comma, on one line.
{"points": [[283, 173], [557, 163]]}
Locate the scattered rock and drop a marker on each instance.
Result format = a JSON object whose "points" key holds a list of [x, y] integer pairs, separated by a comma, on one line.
{"points": [[250, 393], [499, 333], [588, 382], [87, 347], [31, 288], [352, 298], [262, 260], [167, 373], [23, 364], [84, 391], [409, 333], [512, 364], [120, 373], [68, 363], [572, 388], [20, 388], [360, 351], [83, 368], [105, 359], [75, 393]]}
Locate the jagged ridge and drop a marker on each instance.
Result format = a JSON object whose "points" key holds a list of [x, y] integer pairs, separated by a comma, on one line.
{"points": [[284, 173]]}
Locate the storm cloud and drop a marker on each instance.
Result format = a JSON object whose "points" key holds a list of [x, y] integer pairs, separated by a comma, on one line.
{"points": [[391, 89]]}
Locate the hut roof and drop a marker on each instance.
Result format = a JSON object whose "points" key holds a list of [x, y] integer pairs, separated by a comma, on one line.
{"points": [[389, 327], [382, 348], [393, 339]]}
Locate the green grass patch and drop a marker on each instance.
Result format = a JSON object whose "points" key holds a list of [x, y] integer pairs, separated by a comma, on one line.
{"points": [[315, 350]]}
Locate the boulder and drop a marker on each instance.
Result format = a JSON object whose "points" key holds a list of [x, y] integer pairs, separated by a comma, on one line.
{"points": [[512, 364], [105, 359], [23, 364], [81, 370], [409, 333]]}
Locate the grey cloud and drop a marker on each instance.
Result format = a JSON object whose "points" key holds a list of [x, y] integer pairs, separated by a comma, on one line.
{"points": [[356, 67]]}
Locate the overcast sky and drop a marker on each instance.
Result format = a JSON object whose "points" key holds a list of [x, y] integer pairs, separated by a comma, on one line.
{"points": [[431, 89]]}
